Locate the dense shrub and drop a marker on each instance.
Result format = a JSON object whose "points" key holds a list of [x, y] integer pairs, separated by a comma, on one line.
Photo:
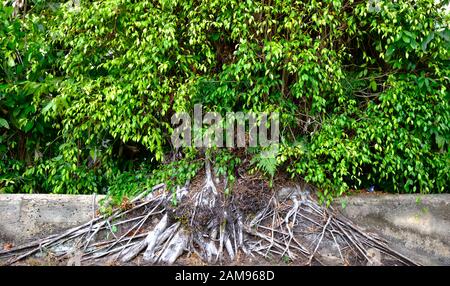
{"points": [[86, 93]]}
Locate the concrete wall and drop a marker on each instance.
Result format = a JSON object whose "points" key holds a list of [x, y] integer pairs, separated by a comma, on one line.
{"points": [[24, 217], [419, 229], [417, 226]]}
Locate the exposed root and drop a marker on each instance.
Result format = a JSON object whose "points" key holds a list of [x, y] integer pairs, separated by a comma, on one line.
{"points": [[175, 248], [153, 238], [206, 198], [307, 223], [289, 226]]}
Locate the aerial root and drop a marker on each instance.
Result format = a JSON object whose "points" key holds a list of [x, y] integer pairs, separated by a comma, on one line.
{"points": [[295, 228], [299, 227]]}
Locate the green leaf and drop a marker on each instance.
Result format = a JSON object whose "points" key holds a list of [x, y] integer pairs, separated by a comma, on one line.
{"points": [[49, 105], [427, 40], [4, 123], [215, 36], [11, 62], [440, 141], [405, 38], [373, 85], [28, 126], [390, 51]]}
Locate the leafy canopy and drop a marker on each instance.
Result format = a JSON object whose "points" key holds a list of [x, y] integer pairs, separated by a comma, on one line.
{"points": [[362, 87]]}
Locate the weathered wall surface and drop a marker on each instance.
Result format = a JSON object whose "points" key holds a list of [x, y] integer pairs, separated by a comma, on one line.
{"points": [[24, 217], [419, 230], [417, 226]]}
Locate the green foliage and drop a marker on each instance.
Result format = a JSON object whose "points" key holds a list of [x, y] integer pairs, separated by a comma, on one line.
{"points": [[393, 130], [26, 83], [87, 93], [400, 143], [173, 174], [226, 164], [266, 162]]}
